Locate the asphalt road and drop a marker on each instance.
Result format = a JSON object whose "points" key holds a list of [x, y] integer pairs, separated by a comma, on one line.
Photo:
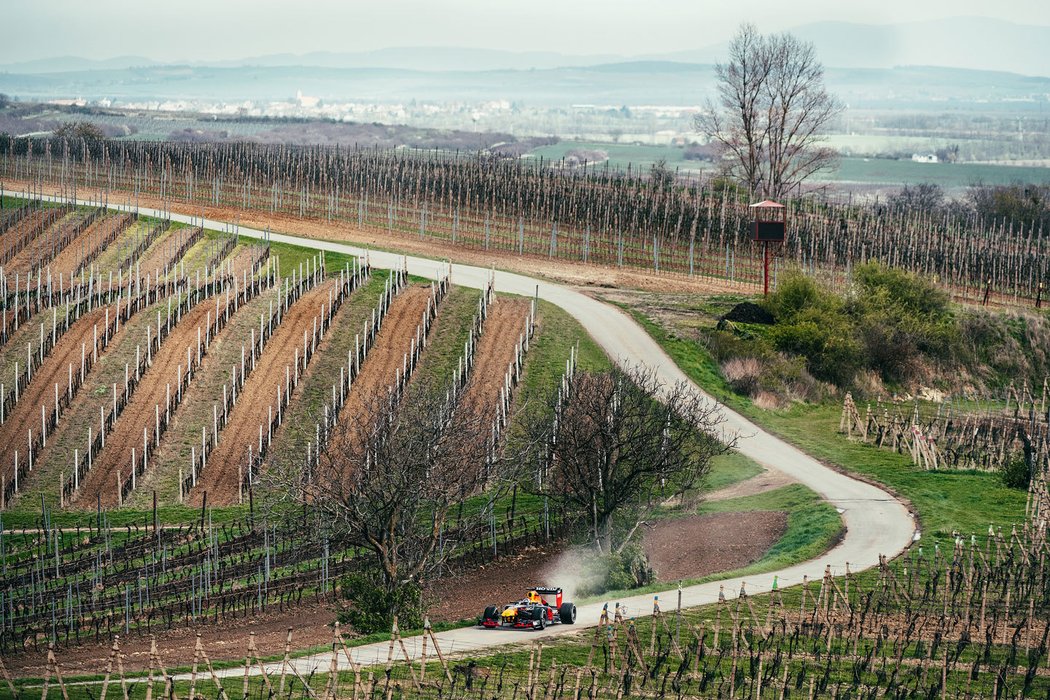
{"points": [[876, 523]]}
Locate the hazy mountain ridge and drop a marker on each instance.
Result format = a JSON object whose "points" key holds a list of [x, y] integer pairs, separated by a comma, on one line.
{"points": [[629, 83], [961, 42]]}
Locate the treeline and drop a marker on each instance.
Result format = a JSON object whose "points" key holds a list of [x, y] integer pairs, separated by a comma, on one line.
{"points": [[1021, 205]]}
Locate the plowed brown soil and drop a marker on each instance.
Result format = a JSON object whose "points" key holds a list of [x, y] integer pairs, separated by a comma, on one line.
{"points": [[161, 255], [28, 258], [25, 416], [241, 260], [11, 238], [388, 353], [495, 351], [220, 477], [311, 627], [100, 485], [68, 260], [683, 548], [699, 545]]}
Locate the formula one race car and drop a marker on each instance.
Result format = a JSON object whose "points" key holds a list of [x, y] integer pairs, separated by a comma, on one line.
{"points": [[531, 612]]}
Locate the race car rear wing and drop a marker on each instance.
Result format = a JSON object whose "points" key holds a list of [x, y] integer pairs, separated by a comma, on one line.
{"points": [[548, 590]]}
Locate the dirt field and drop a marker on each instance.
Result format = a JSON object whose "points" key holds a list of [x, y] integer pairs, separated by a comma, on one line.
{"points": [[387, 355], [71, 256], [25, 416], [100, 484], [161, 255], [699, 545], [14, 350], [690, 547], [12, 236], [495, 351], [466, 595], [315, 386], [28, 258], [71, 435], [312, 626], [184, 432], [219, 478]]}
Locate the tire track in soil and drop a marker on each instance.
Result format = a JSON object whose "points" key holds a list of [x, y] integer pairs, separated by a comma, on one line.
{"points": [[25, 415], [387, 355], [100, 483], [495, 351], [219, 478]]}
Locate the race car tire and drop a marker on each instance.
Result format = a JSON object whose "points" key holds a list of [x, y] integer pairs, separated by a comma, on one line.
{"points": [[540, 614], [567, 613], [491, 613]]}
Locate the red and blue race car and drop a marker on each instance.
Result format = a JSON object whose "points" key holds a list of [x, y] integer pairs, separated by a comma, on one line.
{"points": [[534, 611]]}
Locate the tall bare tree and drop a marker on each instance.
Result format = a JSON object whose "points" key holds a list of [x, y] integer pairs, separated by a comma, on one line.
{"points": [[389, 476], [622, 443], [771, 112]]}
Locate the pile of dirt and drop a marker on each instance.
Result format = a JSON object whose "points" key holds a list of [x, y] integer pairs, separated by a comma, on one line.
{"points": [[700, 545], [747, 312]]}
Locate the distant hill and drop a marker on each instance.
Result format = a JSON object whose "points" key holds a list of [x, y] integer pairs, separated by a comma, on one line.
{"points": [[961, 42], [615, 84], [67, 64], [438, 59], [975, 43]]}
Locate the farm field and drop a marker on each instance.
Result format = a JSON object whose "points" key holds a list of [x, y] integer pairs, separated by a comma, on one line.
{"points": [[169, 363], [218, 565], [386, 357], [53, 381], [195, 411], [82, 250], [223, 479], [44, 243], [507, 208]]}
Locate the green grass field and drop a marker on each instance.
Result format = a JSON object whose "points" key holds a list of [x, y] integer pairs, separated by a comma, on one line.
{"points": [[850, 169]]}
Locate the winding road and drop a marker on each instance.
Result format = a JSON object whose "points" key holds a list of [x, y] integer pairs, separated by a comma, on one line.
{"points": [[876, 523]]}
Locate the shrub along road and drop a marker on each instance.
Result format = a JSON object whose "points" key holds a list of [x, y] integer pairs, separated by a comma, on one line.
{"points": [[876, 522]]}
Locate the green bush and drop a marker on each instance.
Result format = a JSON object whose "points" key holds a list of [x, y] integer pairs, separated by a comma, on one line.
{"points": [[901, 289], [1015, 472], [893, 325], [826, 340], [372, 606], [796, 294]]}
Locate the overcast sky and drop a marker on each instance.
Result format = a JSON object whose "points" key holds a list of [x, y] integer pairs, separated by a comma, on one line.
{"points": [[222, 29]]}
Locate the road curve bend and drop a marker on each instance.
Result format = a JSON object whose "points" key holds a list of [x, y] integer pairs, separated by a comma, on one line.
{"points": [[876, 522]]}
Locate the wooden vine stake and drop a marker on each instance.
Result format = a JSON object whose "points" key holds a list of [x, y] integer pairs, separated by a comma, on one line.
{"points": [[52, 670]]}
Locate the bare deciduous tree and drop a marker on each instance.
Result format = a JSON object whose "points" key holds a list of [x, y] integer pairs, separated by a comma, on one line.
{"points": [[771, 111], [87, 131], [389, 477], [622, 443]]}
